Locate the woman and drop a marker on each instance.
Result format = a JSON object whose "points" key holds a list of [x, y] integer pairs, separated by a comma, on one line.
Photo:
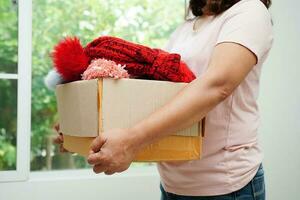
{"points": [[225, 45]]}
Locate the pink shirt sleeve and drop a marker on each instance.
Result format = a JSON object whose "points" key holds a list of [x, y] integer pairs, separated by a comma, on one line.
{"points": [[250, 28]]}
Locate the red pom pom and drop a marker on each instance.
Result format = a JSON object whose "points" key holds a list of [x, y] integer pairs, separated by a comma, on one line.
{"points": [[69, 59]]}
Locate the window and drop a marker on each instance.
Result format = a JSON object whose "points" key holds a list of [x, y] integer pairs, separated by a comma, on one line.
{"points": [[143, 21]]}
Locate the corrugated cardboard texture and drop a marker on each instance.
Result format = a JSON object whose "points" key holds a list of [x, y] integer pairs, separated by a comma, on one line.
{"points": [[170, 148], [77, 105], [121, 104], [125, 102]]}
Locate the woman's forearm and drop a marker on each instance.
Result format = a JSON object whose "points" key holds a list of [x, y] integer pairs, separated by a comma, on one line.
{"points": [[188, 107]]}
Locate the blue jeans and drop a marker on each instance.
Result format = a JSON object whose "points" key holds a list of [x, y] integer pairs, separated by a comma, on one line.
{"points": [[254, 190]]}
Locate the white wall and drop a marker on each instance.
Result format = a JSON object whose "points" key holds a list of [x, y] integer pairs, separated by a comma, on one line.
{"points": [[280, 104]]}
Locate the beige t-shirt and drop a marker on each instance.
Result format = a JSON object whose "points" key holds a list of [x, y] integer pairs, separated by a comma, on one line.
{"points": [[231, 154]]}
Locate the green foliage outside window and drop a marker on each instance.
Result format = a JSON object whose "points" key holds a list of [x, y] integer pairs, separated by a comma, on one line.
{"points": [[8, 92]]}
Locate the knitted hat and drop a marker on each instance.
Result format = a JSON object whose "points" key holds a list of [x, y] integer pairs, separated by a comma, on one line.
{"points": [[71, 59]]}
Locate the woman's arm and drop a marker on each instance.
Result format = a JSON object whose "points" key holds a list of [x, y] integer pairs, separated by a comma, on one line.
{"points": [[230, 63]]}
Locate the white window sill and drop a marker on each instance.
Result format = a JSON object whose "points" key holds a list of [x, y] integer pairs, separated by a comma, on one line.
{"points": [[82, 174]]}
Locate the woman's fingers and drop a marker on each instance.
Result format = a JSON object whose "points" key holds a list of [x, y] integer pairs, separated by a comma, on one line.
{"points": [[59, 139], [109, 172], [96, 158], [99, 168], [97, 143], [99, 163]]}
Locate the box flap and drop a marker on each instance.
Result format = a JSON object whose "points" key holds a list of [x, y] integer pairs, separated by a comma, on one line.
{"points": [[127, 101], [77, 105]]}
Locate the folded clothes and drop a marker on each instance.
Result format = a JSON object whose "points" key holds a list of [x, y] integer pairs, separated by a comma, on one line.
{"points": [[71, 59]]}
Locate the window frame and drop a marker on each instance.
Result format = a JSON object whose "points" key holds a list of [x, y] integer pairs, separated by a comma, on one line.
{"points": [[23, 78]]}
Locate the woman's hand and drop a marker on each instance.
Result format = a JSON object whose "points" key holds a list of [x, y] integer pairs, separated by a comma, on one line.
{"points": [[113, 151], [59, 139]]}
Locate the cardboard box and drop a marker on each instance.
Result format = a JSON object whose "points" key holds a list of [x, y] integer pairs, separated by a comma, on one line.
{"points": [[87, 108]]}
